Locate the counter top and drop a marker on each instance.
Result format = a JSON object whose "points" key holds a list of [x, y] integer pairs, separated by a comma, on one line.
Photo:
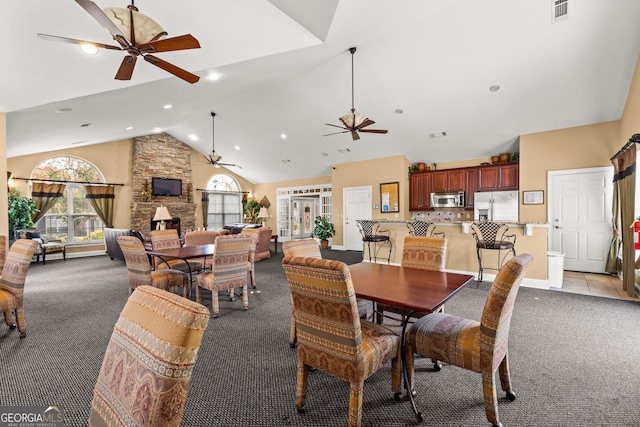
{"points": [[401, 221]]}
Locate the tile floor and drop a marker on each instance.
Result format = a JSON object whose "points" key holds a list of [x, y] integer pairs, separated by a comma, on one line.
{"points": [[602, 285]]}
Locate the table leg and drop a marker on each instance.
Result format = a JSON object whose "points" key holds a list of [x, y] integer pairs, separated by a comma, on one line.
{"points": [[405, 375]]}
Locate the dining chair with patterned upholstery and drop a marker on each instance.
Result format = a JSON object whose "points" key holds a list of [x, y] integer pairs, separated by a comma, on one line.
{"points": [[149, 361], [196, 238], [426, 253], [14, 274], [229, 271], [480, 347], [331, 336], [141, 273], [423, 229], [169, 239], [3, 251], [492, 236]]}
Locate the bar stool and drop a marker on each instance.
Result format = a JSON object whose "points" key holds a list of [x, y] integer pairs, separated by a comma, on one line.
{"points": [[371, 234], [492, 236], [423, 229]]}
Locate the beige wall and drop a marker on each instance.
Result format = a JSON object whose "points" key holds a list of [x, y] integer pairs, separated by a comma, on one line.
{"points": [[631, 114], [4, 202]]}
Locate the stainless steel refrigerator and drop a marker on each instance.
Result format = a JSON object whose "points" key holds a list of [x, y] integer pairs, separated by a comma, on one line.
{"points": [[496, 206]]}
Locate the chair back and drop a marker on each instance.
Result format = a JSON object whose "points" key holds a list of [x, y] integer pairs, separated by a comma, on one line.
{"points": [[230, 261], [3, 251], [302, 247], [149, 361], [194, 238], [137, 261], [16, 266], [498, 308], [421, 228], [326, 313], [427, 253], [366, 227], [165, 239], [488, 234]]}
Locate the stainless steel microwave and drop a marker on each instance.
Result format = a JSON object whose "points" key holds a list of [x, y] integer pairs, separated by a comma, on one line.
{"points": [[447, 200]]}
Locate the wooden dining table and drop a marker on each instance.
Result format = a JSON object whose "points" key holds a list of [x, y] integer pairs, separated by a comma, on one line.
{"points": [[415, 289], [185, 253]]}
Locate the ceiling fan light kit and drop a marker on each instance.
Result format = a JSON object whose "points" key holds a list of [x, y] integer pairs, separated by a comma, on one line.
{"points": [[136, 34], [353, 121]]}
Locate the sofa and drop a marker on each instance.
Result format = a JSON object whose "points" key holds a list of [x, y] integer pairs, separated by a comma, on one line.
{"points": [[264, 240], [238, 227], [110, 235]]}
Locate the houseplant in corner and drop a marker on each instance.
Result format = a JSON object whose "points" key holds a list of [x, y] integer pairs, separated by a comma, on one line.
{"points": [[323, 230], [21, 211]]}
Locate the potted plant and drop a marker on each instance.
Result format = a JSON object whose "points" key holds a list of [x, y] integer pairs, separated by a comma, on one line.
{"points": [[21, 211], [251, 211], [323, 230]]}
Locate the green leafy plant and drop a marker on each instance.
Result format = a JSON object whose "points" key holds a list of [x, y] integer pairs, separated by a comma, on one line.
{"points": [[251, 211], [21, 211], [413, 169], [322, 229]]}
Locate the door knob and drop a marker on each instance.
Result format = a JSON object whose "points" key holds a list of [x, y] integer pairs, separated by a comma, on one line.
{"points": [[558, 227]]}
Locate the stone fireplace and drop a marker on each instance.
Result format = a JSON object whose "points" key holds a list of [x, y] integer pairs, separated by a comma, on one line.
{"points": [[163, 156]]}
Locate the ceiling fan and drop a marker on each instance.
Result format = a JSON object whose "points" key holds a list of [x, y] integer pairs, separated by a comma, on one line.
{"points": [[214, 158], [353, 121], [145, 37]]}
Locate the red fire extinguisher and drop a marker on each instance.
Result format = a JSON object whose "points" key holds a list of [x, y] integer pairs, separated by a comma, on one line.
{"points": [[636, 235]]}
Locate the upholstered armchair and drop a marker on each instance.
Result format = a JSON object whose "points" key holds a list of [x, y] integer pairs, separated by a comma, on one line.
{"points": [[169, 239], [426, 253], [331, 336], [264, 240], [45, 246], [229, 271], [480, 347], [14, 273], [148, 363], [140, 272]]}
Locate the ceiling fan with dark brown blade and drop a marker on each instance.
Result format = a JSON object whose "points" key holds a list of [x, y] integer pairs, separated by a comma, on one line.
{"points": [[214, 158], [353, 121], [145, 38]]}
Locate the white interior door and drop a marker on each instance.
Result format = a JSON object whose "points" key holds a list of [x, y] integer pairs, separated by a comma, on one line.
{"points": [[580, 216], [357, 205]]}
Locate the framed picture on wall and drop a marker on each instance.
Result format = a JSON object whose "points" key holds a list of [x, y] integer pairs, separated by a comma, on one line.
{"points": [[389, 197], [533, 197]]}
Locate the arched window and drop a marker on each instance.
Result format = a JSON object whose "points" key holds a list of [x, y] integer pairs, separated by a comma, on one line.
{"points": [[225, 202], [72, 218]]}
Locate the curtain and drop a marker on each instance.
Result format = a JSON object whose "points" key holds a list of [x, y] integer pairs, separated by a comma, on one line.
{"points": [[205, 209], [615, 250], [44, 195], [624, 179], [101, 198]]}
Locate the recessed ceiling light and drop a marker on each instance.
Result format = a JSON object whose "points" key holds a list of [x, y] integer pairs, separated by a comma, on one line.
{"points": [[437, 134], [399, 111], [157, 130], [193, 137], [129, 127], [494, 88], [166, 107], [237, 147], [213, 76], [89, 49], [344, 150], [324, 154], [63, 110], [283, 136]]}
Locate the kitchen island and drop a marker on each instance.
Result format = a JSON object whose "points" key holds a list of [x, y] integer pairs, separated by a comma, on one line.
{"points": [[461, 248]]}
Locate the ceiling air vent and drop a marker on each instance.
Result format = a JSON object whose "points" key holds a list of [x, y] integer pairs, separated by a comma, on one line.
{"points": [[560, 9]]}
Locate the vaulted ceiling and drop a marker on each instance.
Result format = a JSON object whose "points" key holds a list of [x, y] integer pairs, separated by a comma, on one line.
{"points": [[283, 67]]}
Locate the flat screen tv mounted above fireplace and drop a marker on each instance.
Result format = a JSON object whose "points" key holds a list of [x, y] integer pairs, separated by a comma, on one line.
{"points": [[166, 187]]}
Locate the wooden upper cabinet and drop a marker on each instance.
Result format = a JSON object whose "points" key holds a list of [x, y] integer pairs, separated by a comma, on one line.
{"points": [[471, 186], [447, 180], [419, 191], [498, 177]]}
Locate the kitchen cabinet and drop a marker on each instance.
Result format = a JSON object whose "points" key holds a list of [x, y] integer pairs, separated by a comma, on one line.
{"points": [[447, 180], [420, 191], [471, 186], [498, 177]]}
